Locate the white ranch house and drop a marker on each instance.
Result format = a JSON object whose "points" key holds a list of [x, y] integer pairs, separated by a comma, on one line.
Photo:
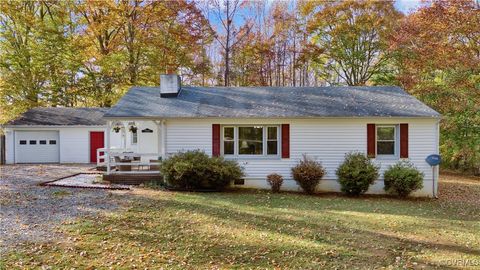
{"points": [[266, 129]]}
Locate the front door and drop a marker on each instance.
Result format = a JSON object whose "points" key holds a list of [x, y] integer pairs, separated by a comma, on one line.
{"points": [[97, 139]]}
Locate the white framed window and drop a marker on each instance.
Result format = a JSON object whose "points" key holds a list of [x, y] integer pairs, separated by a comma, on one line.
{"points": [[250, 140], [134, 137], [386, 140]]}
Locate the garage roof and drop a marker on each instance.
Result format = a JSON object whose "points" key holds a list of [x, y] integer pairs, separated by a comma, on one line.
{"points": [[60, 116], [271, 102]]}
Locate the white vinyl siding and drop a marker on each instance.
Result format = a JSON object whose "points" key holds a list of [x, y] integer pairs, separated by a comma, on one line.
{"points": [[75, 145], [327, 140]]}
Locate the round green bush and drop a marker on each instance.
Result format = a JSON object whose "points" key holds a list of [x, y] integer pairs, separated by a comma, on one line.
{"points": [[356, 173], [308, 173], [402, 179], [195, 170]]}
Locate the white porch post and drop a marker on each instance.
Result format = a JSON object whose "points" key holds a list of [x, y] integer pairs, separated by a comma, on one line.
{"points": [[107, 152], [124, 135], [163, 140], [159, 137]]}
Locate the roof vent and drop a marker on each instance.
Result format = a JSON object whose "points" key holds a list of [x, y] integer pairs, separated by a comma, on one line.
{"points": [[170, 85]]}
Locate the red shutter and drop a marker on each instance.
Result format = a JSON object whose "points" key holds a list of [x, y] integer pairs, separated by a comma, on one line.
{"points": [[285, 141], [215, 140], [403, 140], [371, 142]]}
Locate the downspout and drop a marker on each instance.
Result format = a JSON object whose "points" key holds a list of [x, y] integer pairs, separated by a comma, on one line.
{"points": [[435, 169]]}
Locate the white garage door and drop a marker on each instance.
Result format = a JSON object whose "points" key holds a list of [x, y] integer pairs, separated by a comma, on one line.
{"points": [[37, 147]]}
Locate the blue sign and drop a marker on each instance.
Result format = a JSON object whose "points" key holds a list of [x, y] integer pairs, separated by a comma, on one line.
{"points": [[433, 160]]}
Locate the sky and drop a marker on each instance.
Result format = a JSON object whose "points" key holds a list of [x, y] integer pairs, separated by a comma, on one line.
{"points": [[407, 6]]}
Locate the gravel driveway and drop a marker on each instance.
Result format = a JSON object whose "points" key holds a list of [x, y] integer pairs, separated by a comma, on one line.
{"points": [[30, 213]]}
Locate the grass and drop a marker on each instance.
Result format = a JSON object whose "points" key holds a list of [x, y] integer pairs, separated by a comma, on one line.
{"points": [[257, 229]]}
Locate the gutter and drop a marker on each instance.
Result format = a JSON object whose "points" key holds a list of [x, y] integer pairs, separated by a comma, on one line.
{"points": [[53, 126]]}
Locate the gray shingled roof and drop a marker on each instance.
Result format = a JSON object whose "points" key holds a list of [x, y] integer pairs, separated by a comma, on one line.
{"points": [[271, 102], [59, 116]]}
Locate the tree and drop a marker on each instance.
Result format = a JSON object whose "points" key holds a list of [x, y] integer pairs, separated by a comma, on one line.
{"points": [[226, 12], [439, 62], [37, 59], [102, 40], [353, 36]]}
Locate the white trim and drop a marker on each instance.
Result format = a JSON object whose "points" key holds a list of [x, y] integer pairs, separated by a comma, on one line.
{"points": [[120, 118], [51, 126]]}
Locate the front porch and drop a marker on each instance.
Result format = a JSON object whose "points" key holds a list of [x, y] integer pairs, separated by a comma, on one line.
{"points": [[135, 159]]}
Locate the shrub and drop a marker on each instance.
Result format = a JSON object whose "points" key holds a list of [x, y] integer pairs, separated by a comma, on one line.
{"points": [[356, 173], [308, 173], [402, 179], [195, 170], [275, 181]]}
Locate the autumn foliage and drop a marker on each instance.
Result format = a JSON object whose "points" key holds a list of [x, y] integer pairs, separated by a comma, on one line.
{"points": [[438, 56], [88, 53]]}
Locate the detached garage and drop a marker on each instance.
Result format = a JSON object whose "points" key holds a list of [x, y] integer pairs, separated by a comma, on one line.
{"points": [[56, 135]]}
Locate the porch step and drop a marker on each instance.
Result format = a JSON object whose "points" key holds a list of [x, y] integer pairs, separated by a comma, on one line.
{"points": [[131, 179]]}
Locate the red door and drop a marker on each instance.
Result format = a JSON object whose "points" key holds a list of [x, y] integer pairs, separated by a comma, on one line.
{"points": [[96, 141]]}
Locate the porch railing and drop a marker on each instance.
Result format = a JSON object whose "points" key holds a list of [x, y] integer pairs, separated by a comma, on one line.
{"points": [[128, 164]]}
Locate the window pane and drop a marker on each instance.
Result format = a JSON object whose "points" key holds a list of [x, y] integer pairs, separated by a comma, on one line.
{"points": [[250, 140], [272, 133], [52, 142], [23, 142], [272, 148], [250, 133], [43, 142], [228, 133], [250, 147], [386, 148], [385, 133], [33, 142], [228, 147]]}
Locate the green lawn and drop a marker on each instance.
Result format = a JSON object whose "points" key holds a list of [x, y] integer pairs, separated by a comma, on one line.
{"points": [[257, 229]]}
